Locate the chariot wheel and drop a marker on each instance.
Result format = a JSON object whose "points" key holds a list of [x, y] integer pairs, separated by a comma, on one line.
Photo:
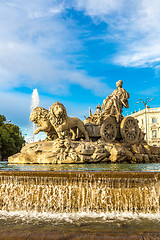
{"points": [[129, 130], [108, 130]]}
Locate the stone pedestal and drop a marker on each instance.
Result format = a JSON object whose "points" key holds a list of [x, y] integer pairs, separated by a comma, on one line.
{"points": [[68, 151]]}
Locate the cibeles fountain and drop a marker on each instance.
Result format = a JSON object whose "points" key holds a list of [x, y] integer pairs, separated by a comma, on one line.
{"points": [[95, 199], [105, 137]]}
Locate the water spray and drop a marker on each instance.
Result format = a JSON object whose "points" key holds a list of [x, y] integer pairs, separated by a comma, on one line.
{"points": [[34, 103]]}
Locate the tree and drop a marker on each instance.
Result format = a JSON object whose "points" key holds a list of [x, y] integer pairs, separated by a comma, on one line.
{"points": [[11, 140]]}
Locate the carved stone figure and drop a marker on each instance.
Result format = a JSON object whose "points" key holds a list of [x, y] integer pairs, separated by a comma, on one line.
{"points": [[96, 117], [40, 117], [113, 138], [114, 103], [60, 151], [62, 123], [110, 124]]}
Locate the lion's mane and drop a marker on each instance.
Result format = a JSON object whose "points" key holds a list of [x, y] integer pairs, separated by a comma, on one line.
{"points": [[39, 114], [57, 120]]}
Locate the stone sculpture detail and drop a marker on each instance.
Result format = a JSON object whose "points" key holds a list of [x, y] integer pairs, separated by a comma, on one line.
{"points": [[63, 123], [114, 103], [110, 124], [67, 151], [111, 138], [40, 116]]}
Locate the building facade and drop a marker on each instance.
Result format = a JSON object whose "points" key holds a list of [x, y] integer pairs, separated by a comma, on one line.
{"points": [[149, 122]]}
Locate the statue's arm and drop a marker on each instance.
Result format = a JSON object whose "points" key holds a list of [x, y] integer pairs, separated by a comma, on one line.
{"points": [[125, 100], [125, 103]]}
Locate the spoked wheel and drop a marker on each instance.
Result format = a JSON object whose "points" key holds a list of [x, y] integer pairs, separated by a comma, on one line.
{"points": [[129, 130], [108, 130]]}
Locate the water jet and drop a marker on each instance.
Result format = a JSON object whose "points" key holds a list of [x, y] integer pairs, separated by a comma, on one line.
{"points": [[34, 103]]}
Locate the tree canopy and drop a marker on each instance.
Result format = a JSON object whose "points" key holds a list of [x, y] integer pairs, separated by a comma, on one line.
{"points": [[11, 140]]}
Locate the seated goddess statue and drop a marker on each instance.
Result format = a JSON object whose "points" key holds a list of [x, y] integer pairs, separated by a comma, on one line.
{"points": [[114, 103]]}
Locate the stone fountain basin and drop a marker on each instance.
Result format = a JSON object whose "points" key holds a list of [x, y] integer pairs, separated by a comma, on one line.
{"points": [[79, 204]]}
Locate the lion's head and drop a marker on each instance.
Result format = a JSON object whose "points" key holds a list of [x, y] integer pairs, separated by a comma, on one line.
{"points": [[57, 113], [37, 114]]}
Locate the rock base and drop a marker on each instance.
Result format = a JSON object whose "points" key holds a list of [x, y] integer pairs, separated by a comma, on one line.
{"points": [[68, 151]]}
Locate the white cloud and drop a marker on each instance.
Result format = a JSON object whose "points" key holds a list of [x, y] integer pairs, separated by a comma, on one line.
{"points": [[37, 43], [132, 25], [39, 47], [99, 7], [34, 33]]}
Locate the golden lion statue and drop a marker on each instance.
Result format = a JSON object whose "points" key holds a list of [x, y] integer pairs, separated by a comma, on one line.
{"points": [[40, 117], [62, 123]]}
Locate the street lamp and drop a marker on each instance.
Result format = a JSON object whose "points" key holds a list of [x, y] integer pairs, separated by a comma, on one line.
{"points": [[145, 104]]}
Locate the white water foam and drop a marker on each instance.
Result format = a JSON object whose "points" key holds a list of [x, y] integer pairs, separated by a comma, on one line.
{"points": [[73, 217]]}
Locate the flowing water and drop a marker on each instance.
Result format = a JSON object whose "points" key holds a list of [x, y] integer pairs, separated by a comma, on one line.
{"points": [[34, 99], [34, 103], [97, 199], [72, 192]]}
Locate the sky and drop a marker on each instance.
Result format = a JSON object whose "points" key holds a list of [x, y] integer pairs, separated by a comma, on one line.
{"points": [[74, 52]]}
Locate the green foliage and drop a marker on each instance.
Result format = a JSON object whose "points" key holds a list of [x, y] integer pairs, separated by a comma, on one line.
{"points": [[2, 119], [11, 140]]}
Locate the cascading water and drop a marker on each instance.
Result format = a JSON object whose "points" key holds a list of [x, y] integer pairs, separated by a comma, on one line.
{"points": [[34, 103], [60, 192], [54, 203]]}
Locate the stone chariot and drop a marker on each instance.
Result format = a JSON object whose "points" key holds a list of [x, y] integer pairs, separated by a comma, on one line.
{"points": [[110, 130], [110, 124]]}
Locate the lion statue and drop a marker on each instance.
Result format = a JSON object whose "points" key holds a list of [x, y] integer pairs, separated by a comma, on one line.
{"points": [[40, 117], [62, 123]]}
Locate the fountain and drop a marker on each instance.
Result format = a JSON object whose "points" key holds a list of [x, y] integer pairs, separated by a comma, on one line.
{"points": [[69, 198], [34, 103], [77, 191], [106, 136], [78, 204]]}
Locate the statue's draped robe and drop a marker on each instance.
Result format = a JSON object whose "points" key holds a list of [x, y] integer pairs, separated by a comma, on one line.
{"points": [[114, 103]]}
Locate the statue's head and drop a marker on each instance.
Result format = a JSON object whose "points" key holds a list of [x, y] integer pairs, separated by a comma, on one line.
{"points": [[119, 83], [38, 113], [57, 109]]}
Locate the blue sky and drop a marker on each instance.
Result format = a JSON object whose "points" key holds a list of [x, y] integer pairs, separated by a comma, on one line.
{"points": [[75, 51]]}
